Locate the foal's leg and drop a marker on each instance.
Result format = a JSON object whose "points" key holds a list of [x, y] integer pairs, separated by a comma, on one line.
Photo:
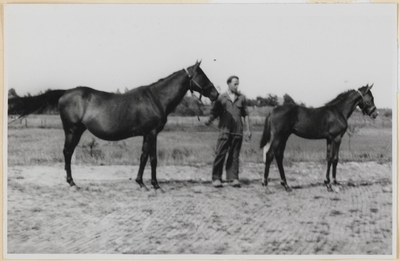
{"points": [[279, 160], [269, 156], [143, 161], [73, 134]]}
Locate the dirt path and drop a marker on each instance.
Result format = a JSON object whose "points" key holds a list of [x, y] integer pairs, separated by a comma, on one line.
{"points": [[110, 215]]}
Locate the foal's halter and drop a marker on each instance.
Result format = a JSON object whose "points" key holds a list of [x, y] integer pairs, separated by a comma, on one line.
{"points": [[368, 110]]}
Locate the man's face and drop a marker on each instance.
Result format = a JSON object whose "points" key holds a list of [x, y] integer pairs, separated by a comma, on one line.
{"points": [[233, 85]]}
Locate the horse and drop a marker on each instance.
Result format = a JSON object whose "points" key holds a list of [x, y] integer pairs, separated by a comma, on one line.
{"points": [[141, 111], [327, 122]]}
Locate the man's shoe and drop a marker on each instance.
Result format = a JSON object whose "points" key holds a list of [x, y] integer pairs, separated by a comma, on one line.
{"points": [[235, 183], [217, 183]]}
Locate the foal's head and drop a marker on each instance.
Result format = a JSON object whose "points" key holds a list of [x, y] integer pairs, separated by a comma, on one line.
{"points": [[367, 104], [200, 82]]}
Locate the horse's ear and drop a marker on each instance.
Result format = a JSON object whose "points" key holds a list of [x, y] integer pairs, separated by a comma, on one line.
{"points": [[197, 65], [369, 87]]}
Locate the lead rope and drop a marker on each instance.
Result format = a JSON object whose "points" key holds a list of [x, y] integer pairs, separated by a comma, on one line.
{"points": [[215, 127], [191, 90]]}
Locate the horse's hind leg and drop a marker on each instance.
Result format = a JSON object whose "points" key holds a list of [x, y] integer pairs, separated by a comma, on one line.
{"points": [[153, 160], [279, 160], [143, 161], [72, 136], [269, 156]]}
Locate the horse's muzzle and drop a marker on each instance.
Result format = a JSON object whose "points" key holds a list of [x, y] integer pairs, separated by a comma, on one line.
{"points": [[374, 114], [214, 95]]}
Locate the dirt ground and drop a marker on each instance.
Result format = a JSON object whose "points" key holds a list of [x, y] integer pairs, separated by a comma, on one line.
{"points": [[109, 214]]}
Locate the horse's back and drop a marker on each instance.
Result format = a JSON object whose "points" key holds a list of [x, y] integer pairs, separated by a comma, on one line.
{"points": [[310, 123], [111, 116]]}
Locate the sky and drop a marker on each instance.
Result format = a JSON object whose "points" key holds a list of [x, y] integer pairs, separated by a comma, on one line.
{"points": [[312, 52]]}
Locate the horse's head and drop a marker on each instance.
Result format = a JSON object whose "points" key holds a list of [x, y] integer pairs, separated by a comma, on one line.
{"points": [[200, 83], [367, 104]]}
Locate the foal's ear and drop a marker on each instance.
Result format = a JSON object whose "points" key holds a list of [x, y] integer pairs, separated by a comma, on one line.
{"points": [[369, 87]]}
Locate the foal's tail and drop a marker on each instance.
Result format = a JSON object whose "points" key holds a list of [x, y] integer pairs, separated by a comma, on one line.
{"points": [[266, 136], [27, 105]]}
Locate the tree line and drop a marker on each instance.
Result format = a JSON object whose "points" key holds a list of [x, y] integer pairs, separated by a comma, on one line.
{"points": [[189, 106]]}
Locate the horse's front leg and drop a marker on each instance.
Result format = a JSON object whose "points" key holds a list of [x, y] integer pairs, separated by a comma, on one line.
{"points": [[153, 160], [329, 163], [335, 159], [143, 161]]}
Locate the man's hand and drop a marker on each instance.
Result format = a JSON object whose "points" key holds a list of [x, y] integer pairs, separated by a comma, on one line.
{"points": [[248, 135]]}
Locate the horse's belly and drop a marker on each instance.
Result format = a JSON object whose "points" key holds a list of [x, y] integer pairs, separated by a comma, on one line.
{"points": [[109, 131], [111, 136], [310, 133]]}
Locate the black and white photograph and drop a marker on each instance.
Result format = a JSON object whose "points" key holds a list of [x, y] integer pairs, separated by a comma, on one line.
{"points": [[200, 131]]}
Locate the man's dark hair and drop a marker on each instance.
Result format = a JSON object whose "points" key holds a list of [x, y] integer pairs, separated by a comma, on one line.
{"points": [[231, 78]]}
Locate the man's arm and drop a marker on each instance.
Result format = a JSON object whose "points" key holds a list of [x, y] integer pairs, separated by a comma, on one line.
{"points": [[214, 113], [248, 127], [246, 117]]}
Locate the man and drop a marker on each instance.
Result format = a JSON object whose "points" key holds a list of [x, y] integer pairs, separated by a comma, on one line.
{"points": [[230, 108]]}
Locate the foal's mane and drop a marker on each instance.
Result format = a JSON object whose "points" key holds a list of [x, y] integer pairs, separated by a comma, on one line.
{"points": [[339, 97]]}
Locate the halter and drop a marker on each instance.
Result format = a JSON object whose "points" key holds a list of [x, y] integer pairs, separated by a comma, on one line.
{"points": [[372, 109], [197, 84]]}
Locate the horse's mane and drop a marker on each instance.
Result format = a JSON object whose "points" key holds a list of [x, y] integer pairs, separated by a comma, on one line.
{"points": [[338, 98], [157, 82]]}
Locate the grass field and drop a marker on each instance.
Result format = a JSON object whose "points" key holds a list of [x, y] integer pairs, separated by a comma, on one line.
{"points": [[185, 141]]}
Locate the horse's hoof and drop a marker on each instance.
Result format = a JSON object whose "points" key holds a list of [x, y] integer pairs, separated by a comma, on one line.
{"points": [[75, 188], [159, 189], [288, 189], [144, 188], [329, 189], [326, 182], [155, 185], [71, 183]]}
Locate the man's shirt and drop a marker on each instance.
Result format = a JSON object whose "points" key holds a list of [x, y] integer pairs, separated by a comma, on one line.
{"points": [[230, 113]]}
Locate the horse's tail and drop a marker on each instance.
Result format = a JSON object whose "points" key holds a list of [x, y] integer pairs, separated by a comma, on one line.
{"points": [[266, 136], [27, 105]]}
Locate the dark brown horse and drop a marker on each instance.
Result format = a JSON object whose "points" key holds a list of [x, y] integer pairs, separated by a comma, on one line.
{"points": [[328, 122], [140, 112]]}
